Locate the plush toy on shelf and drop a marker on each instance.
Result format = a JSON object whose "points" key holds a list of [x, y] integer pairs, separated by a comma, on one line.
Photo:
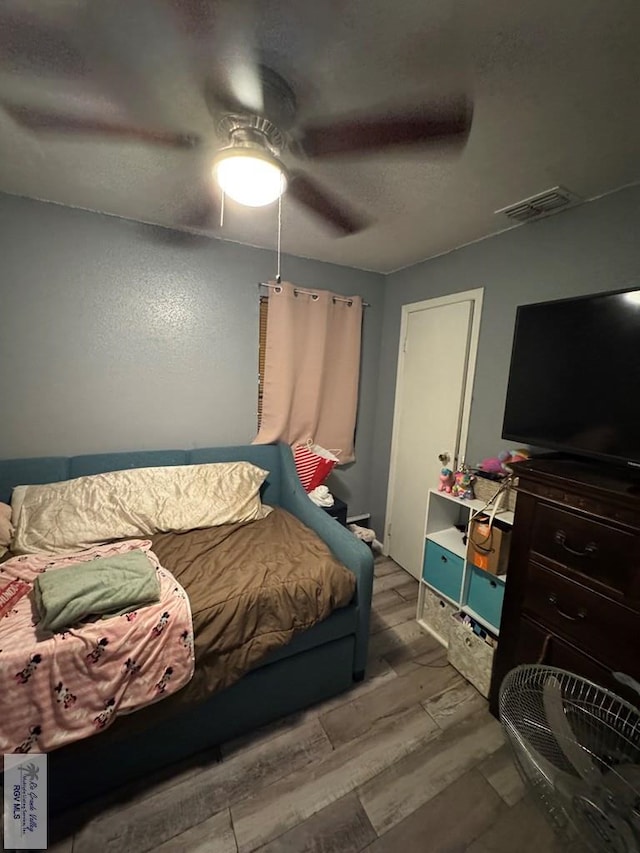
{"points": [[447, 481], [518, 455], [499, 464], [463, 485]]}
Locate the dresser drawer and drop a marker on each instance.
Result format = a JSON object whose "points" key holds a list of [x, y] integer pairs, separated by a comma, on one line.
{"points": [[485, 595], [536, 645], [599, 553], [607, 628], [443, 570]]}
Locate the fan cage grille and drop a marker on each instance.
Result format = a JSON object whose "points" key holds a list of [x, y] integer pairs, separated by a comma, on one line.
{"points": [[605, 727]]}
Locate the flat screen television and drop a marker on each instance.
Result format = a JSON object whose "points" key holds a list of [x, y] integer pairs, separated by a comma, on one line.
{"points": [[574, 380]]}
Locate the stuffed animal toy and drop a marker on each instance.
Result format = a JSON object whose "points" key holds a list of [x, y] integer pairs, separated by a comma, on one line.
{"points": [[495, 464], [446, 480], [518, 455], [463, 485], [498, 464], [6, 528]]}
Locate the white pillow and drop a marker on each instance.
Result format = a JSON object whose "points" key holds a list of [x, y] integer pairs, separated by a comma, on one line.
{"points": [[60, 517], [6, 528]]}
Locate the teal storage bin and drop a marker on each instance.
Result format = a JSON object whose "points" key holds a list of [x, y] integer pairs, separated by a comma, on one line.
{"points": [[484, 595], [443, 570]]}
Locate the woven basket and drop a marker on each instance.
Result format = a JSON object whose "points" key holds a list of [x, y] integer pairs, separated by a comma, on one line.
{"points": [[470, 655], [485, 489]]}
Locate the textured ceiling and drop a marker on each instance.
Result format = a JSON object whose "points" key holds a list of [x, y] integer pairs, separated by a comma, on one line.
{"points": [[555, 87]]}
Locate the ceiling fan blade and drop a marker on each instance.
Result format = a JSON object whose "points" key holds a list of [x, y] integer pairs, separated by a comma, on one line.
{"points": [[327, 207], [139, 51], [43, 121], [28, 44], [443, 125], [196, 15], [225, 36]]}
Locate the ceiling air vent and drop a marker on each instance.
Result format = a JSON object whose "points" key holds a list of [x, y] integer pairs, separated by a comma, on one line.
{"points": [[543, 204]]}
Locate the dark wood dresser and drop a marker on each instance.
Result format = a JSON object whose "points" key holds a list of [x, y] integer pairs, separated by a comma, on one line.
{"points": [[572, 597]]}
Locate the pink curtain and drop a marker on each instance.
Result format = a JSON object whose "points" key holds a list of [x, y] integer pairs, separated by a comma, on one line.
{"points": [[312, 368]]}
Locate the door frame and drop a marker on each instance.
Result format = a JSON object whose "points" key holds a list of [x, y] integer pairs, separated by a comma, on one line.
{"points": [[475, 297]]}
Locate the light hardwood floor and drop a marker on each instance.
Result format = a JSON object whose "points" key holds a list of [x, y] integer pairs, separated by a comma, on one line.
{"points": [[408, 760]]}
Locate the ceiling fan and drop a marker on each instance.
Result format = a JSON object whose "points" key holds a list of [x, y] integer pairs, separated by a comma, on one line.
{"points": [[255, 142]]}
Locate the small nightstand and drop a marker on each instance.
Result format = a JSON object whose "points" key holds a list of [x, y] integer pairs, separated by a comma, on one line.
{"points": [[337, 511]]}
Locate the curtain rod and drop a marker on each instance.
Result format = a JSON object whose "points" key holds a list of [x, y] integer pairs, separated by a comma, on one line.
{"points": [[312, 292]]}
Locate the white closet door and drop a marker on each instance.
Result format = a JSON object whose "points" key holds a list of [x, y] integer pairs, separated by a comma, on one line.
{"points": [[429, 404]]}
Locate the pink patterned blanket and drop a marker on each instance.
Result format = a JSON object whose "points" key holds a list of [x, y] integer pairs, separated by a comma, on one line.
{"points": [[57, 690]]}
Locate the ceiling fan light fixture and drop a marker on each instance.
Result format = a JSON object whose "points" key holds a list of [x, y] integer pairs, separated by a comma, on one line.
{"points": [[249, 176]]}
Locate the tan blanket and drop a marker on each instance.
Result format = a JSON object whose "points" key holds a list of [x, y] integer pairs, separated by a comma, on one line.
{"points": [[252, 588]]}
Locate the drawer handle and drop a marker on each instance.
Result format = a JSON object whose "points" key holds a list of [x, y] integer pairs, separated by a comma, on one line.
{"points": [[443, 558], [579, 615], [560, 538]]}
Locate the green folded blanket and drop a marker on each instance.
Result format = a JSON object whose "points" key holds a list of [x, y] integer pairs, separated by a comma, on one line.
{"points": [[103, 587]]}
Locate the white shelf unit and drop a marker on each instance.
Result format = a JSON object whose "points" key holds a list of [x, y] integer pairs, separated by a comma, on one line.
{"points": [[450, 539], [451, 583], [474, 506]]}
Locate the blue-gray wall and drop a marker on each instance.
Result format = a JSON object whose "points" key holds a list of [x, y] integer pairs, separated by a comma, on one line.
{"points": [[115, 335], [591, 248], [119, 336]]}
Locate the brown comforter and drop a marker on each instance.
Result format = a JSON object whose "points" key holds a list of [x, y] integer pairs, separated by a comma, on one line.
{"points": [[252, 588]]}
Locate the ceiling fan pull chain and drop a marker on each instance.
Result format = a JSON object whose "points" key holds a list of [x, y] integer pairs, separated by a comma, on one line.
{"points": [[278, 276], [222, 210]]}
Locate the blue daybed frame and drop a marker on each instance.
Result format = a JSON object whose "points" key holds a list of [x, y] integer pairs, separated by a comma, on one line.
{"points": [[317, 664]]}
